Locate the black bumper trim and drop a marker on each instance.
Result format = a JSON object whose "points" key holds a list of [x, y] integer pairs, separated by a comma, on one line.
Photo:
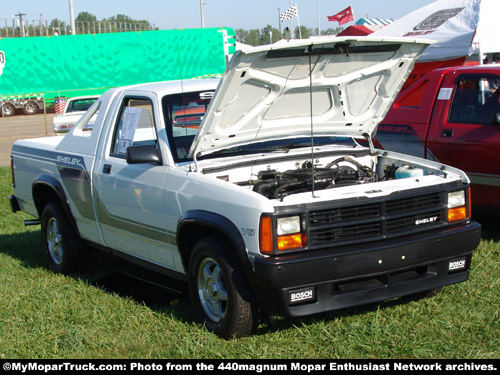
{"points": [[14, 204], [365, 273]]}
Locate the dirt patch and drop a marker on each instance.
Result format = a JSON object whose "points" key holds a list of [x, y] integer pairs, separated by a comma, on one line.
{"points": [[21, 127]]}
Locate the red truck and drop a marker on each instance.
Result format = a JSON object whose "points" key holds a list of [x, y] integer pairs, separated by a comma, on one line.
{"points": [[452, 115]]}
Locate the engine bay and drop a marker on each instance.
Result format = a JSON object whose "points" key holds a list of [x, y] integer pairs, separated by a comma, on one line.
{"points": [[277, 180]]}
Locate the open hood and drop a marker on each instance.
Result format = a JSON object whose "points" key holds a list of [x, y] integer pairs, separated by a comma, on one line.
{"points": [[334, 86]]}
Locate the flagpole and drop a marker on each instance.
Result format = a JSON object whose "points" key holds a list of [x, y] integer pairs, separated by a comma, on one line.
{"points": [[291, 23], [298, 22], [279, 22], [319, 27]]}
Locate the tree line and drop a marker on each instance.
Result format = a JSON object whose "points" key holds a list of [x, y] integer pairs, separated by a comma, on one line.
{"points": [[85, 23], [269, 34]]}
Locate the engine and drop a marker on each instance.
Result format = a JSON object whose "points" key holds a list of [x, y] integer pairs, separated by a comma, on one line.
{"points": [[340, 172]]}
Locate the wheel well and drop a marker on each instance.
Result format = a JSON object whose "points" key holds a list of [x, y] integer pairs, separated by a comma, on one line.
{"points": [[198, 224], [192, 233], [44, 193]]}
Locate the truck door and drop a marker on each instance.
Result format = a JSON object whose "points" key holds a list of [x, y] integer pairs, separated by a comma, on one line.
{"points": [[130, 204], [467, 135]]}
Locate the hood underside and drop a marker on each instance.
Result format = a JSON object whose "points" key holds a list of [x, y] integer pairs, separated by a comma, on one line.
{"points": [[332, 87]]}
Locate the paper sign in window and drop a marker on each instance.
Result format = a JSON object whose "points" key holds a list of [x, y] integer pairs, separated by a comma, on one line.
{"points": [[130, 121]]}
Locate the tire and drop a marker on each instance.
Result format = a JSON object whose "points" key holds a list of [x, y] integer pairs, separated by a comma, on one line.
{"points": [[65, 251], [8, 110], [30, 108], [220, 292]]}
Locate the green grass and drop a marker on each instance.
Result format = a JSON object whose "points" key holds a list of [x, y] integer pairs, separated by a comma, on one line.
{"points": [[43, 315]]}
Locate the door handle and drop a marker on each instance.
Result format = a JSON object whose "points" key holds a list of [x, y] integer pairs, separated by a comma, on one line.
{"points": [[106, 169], [447, 133]]}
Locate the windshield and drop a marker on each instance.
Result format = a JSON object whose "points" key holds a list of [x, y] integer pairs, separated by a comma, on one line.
{"points": [[184, 113]]}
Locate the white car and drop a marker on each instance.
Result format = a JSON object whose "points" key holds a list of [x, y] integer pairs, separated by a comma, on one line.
{"points": [[74, 109]]}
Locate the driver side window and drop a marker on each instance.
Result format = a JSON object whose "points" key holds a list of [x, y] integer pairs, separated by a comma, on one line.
{"points": [[476, 100]]}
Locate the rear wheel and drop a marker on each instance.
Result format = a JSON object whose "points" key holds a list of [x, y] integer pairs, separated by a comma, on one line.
{"points": [[65, 251], [30, 108], [220, 292], [8, 110]]}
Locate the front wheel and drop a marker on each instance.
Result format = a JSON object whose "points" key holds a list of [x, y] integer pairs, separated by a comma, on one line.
{"points": [[65, 251], [220, 292]]}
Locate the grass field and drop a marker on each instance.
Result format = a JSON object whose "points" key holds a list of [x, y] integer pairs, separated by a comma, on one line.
{"points": [[43, 315]]}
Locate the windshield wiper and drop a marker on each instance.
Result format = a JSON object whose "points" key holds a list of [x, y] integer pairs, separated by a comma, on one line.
{"points": [[250, 150], [243, 150]]}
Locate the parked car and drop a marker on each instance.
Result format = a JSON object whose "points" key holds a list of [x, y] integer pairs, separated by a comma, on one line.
{"points": [[74, 109]]}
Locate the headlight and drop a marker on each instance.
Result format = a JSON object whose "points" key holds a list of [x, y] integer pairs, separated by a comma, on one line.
{"points": [[288, 225], [456, 199], [456, 206], [290, 234]]}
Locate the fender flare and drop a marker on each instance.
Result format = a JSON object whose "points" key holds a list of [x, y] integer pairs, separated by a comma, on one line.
{"points": [[56, 187], [215, 223]]}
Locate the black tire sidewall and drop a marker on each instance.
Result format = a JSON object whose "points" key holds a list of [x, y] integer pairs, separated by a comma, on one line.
{"points": [[28, 105], [8, 113], [240, 297], [74, 251]]}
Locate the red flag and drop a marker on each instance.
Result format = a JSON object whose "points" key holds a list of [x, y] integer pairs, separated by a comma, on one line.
{"points": [[343, 17]]}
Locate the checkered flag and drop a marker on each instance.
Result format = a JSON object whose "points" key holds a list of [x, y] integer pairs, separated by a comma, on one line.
{"points": [[289, 14]]}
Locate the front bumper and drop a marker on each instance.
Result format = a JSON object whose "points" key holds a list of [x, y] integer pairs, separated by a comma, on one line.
{"points": [[306, 283]]}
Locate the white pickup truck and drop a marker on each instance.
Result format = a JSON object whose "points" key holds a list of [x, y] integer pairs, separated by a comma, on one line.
{"points": [[253, 189]]}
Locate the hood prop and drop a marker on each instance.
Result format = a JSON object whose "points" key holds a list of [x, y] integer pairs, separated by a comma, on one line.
{"points": [[309, 50]]}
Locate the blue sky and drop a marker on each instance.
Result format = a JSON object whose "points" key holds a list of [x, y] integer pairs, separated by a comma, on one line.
{"points": [[250, 14]]}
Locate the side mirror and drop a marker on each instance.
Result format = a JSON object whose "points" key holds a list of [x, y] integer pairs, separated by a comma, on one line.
{"points": [[143, 154]]}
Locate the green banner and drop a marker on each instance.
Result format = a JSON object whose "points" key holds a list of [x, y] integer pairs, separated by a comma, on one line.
{"points": [[74, 65]]}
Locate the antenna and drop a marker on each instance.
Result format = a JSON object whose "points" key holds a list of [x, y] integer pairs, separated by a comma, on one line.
{"points": [[180, 67], [182, 91], [309, 49]]}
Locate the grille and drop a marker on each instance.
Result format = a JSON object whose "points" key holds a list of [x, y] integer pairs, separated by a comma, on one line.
{"points": [[383, 219], [413, 203]]}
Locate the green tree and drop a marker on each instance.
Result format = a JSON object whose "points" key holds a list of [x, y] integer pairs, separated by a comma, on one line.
{"points": [[57, 27], [269, 34], [85, 17], [304, 33], [253, 38], [331, 31], [122, 19], [241, 35], [85, 23]]}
